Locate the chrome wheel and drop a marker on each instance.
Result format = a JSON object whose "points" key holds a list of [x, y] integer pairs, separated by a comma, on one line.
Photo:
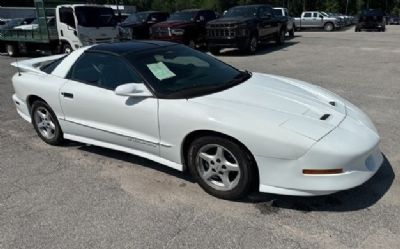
{"points": [[44, 122], [218, 167]]}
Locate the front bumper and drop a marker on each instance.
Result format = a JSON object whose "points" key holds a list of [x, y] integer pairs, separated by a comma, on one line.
{"points": [[228, 42], [353, 146]]}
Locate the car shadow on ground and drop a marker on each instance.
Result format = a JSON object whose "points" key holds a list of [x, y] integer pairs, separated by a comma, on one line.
{"points": [[262, 49], [354, 199]]}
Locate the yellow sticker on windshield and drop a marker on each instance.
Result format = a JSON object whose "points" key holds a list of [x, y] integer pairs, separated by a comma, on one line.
{"points": [[160, 71]]}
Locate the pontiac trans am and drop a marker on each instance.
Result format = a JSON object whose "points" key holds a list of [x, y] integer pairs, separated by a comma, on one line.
{"points": [[232, 130]]}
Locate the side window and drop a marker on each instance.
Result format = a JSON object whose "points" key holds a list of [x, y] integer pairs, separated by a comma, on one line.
{"points": [[307, 15], [265, 12], [209, 15], [103, 70], [315, 14], [67, 16]]}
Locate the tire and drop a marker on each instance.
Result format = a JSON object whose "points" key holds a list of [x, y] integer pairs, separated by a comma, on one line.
{"points": [[212, 159], [46, 123], [214, 50], [192, 44], [357, 30], [280, 37], [251, 46], [12, 50], [66, 48], [328, 27], [291, 32]]}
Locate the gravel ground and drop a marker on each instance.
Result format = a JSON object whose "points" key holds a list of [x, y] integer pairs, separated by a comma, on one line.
{"points": [[79, 196]]}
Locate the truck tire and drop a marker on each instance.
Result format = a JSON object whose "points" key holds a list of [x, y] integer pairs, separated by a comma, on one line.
{"points": [[280, 37], [328, 27], [214, 50], [66, 48], [291, 32], [12, 50], [251, 46]]}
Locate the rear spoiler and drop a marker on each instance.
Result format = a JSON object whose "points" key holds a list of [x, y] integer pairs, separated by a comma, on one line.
{"points": [[33, 65]]}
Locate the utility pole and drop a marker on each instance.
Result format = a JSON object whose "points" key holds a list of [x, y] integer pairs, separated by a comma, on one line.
{"points": [[347, 6]]}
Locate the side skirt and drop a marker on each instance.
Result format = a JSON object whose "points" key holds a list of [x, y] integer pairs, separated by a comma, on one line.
{"points": [[125, 149]]}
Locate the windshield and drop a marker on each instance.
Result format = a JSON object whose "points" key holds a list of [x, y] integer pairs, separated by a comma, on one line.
{"points": [[95, 17], [248, 11], [180, 72], [183, 16], [138, 17]]}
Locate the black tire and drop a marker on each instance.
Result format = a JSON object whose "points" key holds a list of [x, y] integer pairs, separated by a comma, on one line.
{"points": [[328, 27], [214, 50], [280, 37], [357, 30], [12, 50], [57, 136], [66, 48], [291, 32], [251, 45], [245, 178]]}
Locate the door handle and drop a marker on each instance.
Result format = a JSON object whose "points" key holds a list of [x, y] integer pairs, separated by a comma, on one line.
{"points": [[67, 95]]}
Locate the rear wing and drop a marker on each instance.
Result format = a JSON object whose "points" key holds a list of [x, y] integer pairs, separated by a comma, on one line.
{"points": [[34, 65]]}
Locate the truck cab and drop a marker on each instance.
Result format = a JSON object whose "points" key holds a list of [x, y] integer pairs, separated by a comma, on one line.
{"points": [[84, 24]]}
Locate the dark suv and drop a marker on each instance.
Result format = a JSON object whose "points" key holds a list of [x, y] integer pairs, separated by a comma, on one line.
{"points": [[186, 26], [371, 20], [138, 24], [244, 27]]}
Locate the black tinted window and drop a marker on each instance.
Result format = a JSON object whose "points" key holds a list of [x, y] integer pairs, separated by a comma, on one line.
{"points": [[67, 16], [307, 14], [106, 71], [49, 68], [265, 12]]}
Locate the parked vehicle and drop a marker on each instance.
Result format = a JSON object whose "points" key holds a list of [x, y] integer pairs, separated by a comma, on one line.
{"points": [[75, 26], [393, 20], [51, 23], [138, 25], [317, 19], [186, 26], [187, 110], [244, 27], [371, 20], [290, 27], [16, 22]]}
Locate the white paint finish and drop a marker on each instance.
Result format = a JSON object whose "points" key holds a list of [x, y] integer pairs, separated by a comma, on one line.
{"points": [[102, 109], [63, 68], [276, 118]]}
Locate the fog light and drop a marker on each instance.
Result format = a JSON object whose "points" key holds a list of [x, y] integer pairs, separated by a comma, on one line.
{"points": [[322, 171]]}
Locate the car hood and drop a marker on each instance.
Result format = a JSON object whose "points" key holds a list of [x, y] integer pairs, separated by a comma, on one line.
{"points": [[302, 108], [231, 20], [172, 24]]}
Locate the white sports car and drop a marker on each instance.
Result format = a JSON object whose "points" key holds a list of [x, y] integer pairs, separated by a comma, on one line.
{"points": [[231, 129]]}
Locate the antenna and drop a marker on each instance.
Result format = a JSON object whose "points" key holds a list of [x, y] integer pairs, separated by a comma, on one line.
{"points": [[18, 69]]}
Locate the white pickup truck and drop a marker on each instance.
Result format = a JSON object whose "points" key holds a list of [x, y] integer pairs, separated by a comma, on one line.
{"points": [[317, 19]]}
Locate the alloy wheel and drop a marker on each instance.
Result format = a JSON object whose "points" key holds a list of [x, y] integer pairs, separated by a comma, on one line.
{"points": [[218, 167], [45, 123]]}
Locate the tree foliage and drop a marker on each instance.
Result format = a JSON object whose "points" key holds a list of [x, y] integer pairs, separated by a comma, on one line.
{"points": [[295, 6]]}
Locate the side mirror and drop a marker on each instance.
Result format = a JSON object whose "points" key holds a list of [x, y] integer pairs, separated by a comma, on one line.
{"points": [[133, 90]]}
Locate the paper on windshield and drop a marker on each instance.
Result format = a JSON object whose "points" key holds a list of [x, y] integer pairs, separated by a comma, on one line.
{"points": [[160, 71]]}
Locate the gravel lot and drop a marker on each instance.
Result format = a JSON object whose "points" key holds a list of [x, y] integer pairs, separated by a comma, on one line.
{"points": [[79, 196]]}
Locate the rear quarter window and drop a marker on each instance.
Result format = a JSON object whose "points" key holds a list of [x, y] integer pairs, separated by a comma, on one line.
{"points": [[49, 68]]}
